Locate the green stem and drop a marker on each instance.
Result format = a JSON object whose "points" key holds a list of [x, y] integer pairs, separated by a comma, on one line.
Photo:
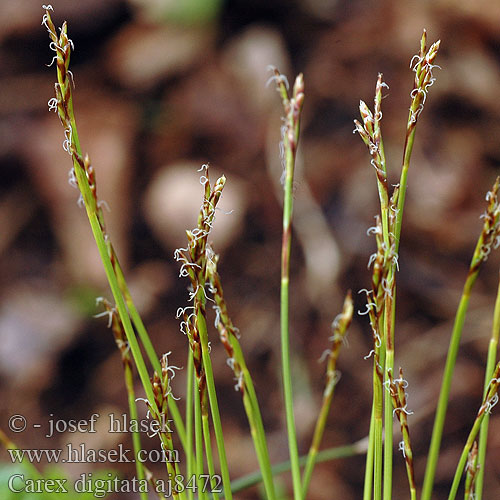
{"points": [[317, 436], [444, 394], [368, 482], [490, 367], [136, 437], [214, 406], [229, 339], [190, 455], [254, 416], [403, 183], [378, 437], [409, 466], [388, 435], [149, 348], [339, 326], [198, 434], [122, 308], [483, 247], [284, 320], [172, 467], [91, 208], [108, 256], [208, 448], [292, 109], [136, 318], [471, 470], [463, 457], [323, 456], [389, 324]]}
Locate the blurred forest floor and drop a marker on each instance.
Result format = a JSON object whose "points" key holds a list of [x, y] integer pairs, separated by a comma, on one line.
{"points": [[162, 89]]}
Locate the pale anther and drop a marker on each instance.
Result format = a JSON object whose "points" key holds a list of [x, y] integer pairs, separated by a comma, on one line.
{"points": [[103, 203], [401, 447], [326, 353]]}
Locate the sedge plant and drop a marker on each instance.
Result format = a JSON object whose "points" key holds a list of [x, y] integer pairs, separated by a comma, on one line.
{"points": [[389, 397], [205, 459], [199, 264]]}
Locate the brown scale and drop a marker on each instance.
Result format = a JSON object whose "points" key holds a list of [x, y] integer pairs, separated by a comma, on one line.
{"points": [[226, 327], [490, 232]]}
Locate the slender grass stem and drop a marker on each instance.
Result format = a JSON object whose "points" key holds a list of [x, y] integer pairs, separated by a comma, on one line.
{"points": [[85, 179], [285, 328], [379, 359], [228, 335], [389, 322], [122, 308], [368, 481], [195, 261], [488, 402], [423, 80], [208, 448], [444, 394], [149, 348], [371, 135], [347, 451], [490, 366], [397, 394], [255, 420], [134, 314], [136, 437], [403, 184], [339, 327], [471, 472], [314, 449], [388, 434], [292, 107], [212, 396], [486, 241], [190, 454], [378, 433], [198, 435], [172, 468], [119, 334], [160, 382], [388, 231]]}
